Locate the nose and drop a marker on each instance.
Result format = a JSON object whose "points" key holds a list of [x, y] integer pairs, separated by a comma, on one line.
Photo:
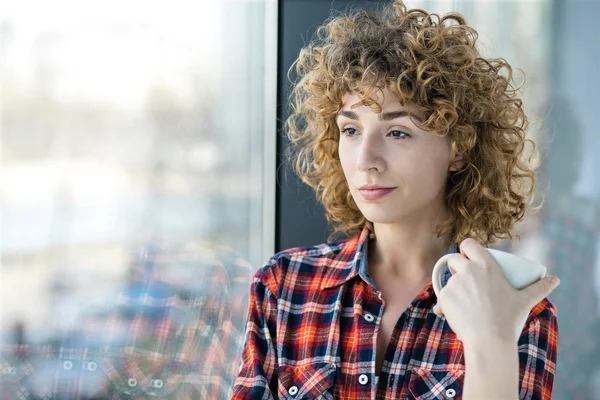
{"points": [[370, 154]]}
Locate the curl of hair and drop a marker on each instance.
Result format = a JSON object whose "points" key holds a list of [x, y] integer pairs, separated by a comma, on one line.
{"points": [[430, 62]]}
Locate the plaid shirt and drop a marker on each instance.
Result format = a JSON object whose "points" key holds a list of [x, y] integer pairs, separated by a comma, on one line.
{"points": [[173, 333], [312, 325], [184, 351]]}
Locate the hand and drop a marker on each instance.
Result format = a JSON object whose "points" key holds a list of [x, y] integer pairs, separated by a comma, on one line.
{"points": [[478, 301]]}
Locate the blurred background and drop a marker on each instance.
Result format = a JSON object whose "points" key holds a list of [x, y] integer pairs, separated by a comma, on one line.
{"points": [[142, 183]]}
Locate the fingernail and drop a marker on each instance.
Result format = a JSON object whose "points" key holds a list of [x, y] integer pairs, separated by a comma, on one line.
{"points": [[554, 282]]}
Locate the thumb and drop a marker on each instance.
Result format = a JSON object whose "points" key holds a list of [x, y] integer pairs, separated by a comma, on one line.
{"points": [[541, 289]]}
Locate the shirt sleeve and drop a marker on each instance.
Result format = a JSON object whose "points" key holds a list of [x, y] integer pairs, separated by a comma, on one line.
{"points": [[538, 347], [257, 378]]}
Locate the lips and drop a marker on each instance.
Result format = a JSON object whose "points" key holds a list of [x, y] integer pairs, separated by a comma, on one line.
{"points": [[375, 194]]}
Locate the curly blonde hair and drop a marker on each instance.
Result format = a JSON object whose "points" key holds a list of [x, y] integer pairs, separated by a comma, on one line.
{"points": [[430, 62]]}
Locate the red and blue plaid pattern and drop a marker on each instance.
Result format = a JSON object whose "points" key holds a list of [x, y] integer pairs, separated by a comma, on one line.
{"points": [[175, 332], [312, 325]]}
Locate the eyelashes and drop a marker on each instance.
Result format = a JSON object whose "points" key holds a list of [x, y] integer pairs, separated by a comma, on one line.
{"points": [[347, 132], [406, 134], [396, 134]]}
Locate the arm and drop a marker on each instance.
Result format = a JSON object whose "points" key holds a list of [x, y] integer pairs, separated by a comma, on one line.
{"points": [[494, 370], [257, 378]]}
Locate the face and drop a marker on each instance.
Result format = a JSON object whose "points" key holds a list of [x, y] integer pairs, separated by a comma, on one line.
{"points": [[404, 167]]}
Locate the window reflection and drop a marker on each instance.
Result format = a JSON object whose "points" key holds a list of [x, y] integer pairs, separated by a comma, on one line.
{"points": [[134, 204]]}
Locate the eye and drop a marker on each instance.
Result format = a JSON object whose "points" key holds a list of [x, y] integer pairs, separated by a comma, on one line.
{"points": [[399, 135], [348, 132]]}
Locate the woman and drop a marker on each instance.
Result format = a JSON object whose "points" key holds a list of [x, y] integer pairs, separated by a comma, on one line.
{"points": [[414, 144]]}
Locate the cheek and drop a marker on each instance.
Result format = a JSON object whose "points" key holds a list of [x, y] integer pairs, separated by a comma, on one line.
{"points": [[423, 171], [346, 159]]}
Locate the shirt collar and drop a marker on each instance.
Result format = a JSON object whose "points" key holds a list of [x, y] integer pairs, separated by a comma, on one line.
{"points": [[347, 263], [352, 261]]}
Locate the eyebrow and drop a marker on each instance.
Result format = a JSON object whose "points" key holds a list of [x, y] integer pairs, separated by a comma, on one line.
{"points": [[382, 117]]}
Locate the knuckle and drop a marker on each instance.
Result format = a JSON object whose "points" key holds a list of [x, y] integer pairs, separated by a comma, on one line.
{"points": [[456, 258]]}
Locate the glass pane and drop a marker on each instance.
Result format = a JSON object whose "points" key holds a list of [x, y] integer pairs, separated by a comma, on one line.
{"points": [[137, 187]]}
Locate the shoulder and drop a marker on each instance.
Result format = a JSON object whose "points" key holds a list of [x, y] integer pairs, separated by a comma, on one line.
{"points": [[543, 316], [306, 264]]}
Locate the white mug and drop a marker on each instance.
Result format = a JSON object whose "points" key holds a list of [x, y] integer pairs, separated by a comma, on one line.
{"points": [[519, 271]]}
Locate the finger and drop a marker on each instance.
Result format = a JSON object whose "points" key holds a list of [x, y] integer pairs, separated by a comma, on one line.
{"points": [[457, 263], [539, 290], [474, 251]]}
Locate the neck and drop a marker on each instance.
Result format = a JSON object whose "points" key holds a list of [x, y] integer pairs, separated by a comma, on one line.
{"points": [[408, 253]]}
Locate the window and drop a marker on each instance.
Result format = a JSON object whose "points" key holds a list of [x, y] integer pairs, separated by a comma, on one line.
{"points": [[138, 164]]}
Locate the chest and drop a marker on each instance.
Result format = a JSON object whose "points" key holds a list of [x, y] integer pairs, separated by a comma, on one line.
{"points": [[391, 314], [347, 341], [397, 298]]}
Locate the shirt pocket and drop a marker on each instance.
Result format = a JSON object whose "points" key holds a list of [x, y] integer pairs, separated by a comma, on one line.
{"points": [[311, 381], [436, 384]]}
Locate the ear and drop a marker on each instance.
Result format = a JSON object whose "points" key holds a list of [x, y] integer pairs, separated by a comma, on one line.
{"points": [[456, 162]]}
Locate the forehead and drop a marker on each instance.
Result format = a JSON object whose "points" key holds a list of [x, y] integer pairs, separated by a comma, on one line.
{"points": [[385, 99]]}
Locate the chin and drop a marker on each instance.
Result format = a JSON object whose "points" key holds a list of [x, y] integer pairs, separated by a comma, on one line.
{"points": [[379, 217], [382, 221]]}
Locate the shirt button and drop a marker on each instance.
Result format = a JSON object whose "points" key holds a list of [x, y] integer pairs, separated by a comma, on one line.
{"points": [[293, 390], [157, 383], [363, 379], [132, 382], [67, 365], [369, 317], [450, 393]]}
